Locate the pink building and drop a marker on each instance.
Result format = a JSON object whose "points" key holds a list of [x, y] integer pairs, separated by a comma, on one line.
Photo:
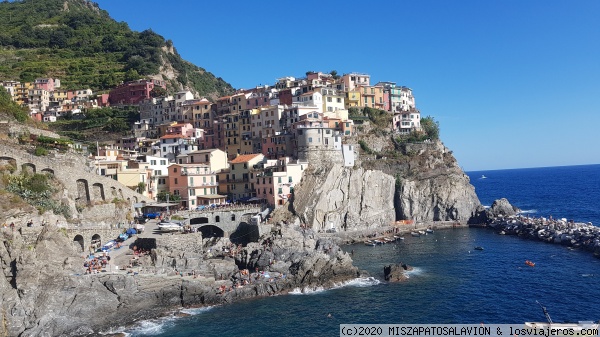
{"points": [[47, 84], [131, 93], [196, 184]]}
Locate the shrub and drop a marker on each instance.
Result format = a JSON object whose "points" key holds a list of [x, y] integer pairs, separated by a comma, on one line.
{"points": [[40, 151]]}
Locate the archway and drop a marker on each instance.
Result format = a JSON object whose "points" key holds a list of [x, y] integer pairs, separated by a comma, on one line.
{"points": [[211, 231], [96, 242], [78, 243], [83, 192], [98, 191], [48, 171], [28, 167], [244, 234]]}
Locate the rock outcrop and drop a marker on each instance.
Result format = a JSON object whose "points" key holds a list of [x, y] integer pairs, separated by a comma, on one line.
{"points": [[344, 198], [396, 272], [44, 292], [501, 207]]}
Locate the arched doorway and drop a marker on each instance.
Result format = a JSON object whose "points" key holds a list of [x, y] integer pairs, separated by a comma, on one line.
{"points": [[96, 242], [211, 231], [78, 243]]}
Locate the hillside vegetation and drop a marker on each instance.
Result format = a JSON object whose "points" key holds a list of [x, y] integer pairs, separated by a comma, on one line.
{"points": [[77, 42]]}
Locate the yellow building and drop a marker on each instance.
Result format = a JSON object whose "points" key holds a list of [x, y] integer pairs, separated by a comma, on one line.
{"points": [[353, 99]]}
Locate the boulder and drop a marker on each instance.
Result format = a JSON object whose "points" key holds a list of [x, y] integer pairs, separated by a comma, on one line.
{"points": [[396, 272], [501, 207]]}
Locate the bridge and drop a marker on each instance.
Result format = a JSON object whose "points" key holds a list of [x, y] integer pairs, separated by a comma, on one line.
{"points": [[82, 183], [232, 222]]}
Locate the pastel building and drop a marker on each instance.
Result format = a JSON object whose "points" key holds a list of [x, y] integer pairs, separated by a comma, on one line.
{"points": [[238, 181], [216, 159], [353, 80], [157, 174], [131, 93], [196, 184], [275, 184]]}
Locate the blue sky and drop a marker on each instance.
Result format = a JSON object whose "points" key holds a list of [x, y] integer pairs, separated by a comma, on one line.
{"points": [[513, 83]]}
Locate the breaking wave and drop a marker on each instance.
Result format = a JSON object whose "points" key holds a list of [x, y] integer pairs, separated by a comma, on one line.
{"points": [[357, 282]]}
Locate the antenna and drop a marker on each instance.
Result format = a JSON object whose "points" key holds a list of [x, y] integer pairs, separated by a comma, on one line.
{"points": [[545, 312]]}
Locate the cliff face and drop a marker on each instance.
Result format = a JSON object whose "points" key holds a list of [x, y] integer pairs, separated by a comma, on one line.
{"points": [[434, 187], [344, 197], [420, 182]]}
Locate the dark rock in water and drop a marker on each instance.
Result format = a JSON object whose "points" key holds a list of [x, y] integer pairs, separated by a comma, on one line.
{"points": [[396, 272], [502, 207], [479, 216]]}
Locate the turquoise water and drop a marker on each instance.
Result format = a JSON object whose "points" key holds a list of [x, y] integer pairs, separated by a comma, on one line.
{"points": [[451, 283]]}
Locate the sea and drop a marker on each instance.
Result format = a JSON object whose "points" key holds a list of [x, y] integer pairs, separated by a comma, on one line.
{"points": [[450, 283]]}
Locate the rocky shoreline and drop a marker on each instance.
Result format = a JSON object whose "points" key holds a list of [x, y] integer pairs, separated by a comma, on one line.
{"points": [[45, 292]]}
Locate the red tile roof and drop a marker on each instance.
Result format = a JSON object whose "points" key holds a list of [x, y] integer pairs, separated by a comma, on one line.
{"points": [[244, 158], [171, 136]]}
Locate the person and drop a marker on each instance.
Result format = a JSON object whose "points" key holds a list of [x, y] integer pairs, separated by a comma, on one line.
{"points": [[12, 225], [30, 223]]}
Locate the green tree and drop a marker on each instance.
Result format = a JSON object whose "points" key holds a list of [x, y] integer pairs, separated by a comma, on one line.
{"points": [[131, 75], [141, 187], [431, 127], [158, 92]]}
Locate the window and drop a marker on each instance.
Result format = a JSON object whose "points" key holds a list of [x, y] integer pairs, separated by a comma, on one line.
{"points": [[232, 167], [328, 99], [174, 169], [192, 192], [310, 139], [279, 180], [175, 181], [232, 217], [289, 179], [217, 219], [279, 190]]}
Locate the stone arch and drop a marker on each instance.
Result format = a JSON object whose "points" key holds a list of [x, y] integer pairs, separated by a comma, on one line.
{"points": [[211, 231], [28, 167], [96, 242], [8, 164], [98, 191], [113, 192], [48, 171], [135, 199], [199, 221], [83, 192], [78, 243]]}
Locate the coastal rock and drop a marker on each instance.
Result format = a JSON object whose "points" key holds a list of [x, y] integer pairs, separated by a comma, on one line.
{"points": [[501, 207], [396, 272], [344, 198], [432, 187], [44, 293]]}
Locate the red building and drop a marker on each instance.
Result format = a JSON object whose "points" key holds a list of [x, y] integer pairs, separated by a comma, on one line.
{"points": [[131, 93]]}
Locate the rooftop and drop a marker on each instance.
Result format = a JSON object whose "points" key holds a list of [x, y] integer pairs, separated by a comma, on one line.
{"points": [[244, 158]]}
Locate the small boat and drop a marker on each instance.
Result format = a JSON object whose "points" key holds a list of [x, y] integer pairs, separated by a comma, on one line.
{"points": [[388, 240], [370, 243], [502, 233], [483, 177], [378, 242], [415, 234], [422, 232], [399, 237], [168, 227], [529, 263], [429, 230], [579, 328], [478, 248]]}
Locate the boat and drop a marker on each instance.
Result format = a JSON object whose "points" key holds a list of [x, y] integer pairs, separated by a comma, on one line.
{"points": [[378, 242], [483, 177], [388, 240], [529, 263], [478, 248], [168, 227], [369, 243], [429, 230], [399, 237], [415, 234], [580, 328], [422, 232]]}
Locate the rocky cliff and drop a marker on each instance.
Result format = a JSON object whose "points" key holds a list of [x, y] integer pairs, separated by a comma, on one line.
{"points": [[391, 181], [345, 198]]}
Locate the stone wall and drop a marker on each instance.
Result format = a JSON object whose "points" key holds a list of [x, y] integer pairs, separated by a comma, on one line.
{"points": [[82, 184]]}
